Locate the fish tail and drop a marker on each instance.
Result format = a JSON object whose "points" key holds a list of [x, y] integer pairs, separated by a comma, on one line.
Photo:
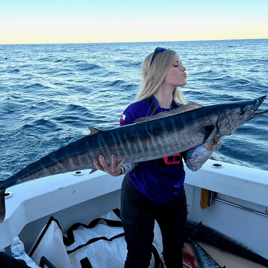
{"points": [[2, 206]]}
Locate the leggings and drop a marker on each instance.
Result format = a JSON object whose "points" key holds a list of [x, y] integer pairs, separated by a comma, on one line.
{"points": [[138, 215]]}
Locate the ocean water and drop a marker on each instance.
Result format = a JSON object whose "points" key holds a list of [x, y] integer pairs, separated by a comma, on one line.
{"points": [[50, 93]]}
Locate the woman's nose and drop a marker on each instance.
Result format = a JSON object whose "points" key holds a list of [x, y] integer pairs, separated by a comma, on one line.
{"points": [[183, 68]]}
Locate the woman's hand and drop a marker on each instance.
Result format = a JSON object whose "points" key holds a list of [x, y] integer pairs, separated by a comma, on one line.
{"points": [[112, 169], [232, 132], [211, 145]]}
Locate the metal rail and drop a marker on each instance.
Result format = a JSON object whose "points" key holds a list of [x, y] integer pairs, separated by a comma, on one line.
{"points": [[241, 207]]}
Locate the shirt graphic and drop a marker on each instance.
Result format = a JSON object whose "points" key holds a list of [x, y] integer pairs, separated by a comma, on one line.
{"points": [[122, 120]]}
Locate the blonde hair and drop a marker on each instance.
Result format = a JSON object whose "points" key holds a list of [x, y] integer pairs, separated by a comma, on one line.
{"points": [[153, 77]]}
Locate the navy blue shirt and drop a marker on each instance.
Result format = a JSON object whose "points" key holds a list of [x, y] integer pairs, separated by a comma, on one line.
{"points": [[159, 182]]}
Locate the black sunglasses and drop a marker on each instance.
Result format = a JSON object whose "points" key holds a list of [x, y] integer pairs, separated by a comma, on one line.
{"points": [[156, 51]]}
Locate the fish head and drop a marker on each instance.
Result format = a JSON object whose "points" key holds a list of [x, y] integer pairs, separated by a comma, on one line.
{"points": [[236, 114]]}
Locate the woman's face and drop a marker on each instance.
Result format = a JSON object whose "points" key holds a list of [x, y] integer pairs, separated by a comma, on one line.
{"points": [[176, 75]]}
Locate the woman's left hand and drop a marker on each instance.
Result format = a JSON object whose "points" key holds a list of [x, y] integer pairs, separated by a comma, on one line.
{"points": [[232, 132], [210, 145]]}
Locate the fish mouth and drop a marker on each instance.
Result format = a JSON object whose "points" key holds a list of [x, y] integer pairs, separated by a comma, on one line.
{"points": [[258, 103], [256, 114]]}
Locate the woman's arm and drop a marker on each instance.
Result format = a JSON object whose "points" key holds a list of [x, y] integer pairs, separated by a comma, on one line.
{"points": [[197, 156]]}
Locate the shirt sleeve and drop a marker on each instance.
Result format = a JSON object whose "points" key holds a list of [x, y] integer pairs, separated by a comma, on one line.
{"points": [[127, 118], [128, 167], [196, 157]]}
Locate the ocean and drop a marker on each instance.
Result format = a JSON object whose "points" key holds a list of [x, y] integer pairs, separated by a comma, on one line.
{"points": [[50, 93]]}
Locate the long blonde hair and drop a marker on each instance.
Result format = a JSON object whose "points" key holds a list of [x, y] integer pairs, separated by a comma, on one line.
{"points": [[153, 77]]}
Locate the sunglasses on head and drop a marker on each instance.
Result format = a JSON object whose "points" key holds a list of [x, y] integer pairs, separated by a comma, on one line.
{"points": [[156, 51]]}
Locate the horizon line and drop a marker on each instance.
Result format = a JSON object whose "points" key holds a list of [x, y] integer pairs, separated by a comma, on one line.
{"points": [[132, 42]]}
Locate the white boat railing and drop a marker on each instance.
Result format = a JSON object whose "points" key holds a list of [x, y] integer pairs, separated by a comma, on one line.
{"points": [[242, 197]]}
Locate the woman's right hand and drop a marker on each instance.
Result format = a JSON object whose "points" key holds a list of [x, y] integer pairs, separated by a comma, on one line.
{"points": [[112, 169]]}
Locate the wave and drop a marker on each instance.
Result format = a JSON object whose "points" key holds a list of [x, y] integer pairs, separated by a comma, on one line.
{"points": [[128, 62], [48, 58], [36, 85], [26, 65], [14, 71], [116, 83], [61, 60], [248, 61], [88, 67], [38, 108], [119, 83], [197, 72], [79, 109], [40, 123]]}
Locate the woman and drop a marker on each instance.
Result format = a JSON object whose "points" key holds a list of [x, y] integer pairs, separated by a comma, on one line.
{"points": [[153, 190]]}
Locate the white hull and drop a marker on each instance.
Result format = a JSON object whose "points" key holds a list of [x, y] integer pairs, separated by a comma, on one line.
{"points": [[71, 199]]}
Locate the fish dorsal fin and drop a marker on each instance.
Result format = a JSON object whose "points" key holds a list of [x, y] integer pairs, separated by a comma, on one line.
{"points": [[180, 110], [93, 131]]}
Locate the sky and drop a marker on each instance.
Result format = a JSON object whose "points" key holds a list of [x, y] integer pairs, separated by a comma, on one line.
{"points": [[97, 21]]}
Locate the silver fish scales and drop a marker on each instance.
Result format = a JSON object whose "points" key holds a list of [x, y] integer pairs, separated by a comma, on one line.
{"points": [[203, 258]]}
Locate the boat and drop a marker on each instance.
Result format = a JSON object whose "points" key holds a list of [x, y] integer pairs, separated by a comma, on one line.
{"points": [[229, 199]]}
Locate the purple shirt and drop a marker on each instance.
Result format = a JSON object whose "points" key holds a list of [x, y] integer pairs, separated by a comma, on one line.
{"points": [[159, 182]]}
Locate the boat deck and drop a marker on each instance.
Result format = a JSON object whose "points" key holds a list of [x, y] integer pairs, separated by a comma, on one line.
{"points": [[227, 259]]}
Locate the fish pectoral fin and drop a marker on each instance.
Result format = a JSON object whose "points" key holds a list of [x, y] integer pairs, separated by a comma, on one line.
{"points": [[92, 171], [208, 132], [93, 131], [2, 206]]}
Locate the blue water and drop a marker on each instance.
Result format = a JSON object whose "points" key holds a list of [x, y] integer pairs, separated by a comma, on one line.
{"points": [[49, 94]]}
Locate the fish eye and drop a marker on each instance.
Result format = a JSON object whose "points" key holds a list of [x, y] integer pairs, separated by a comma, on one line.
{"points": [[241, 112]]}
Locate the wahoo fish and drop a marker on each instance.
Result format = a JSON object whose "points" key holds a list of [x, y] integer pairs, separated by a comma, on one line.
{"points": [[204, 260], [198, 231], [149, 138]]}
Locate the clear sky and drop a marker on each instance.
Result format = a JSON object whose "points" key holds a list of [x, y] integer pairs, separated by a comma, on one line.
{"points": [[86, 21]]}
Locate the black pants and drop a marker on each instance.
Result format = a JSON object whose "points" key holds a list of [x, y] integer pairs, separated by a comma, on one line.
{"points": [[138, 215]]}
